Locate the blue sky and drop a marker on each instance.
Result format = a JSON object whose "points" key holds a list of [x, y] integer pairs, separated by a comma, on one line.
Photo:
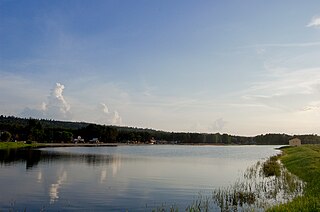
{"points": [[240, 67]]}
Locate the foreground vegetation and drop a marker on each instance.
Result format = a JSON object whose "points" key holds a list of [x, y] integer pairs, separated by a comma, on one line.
{"points": [[304, 162], [263, 185], [293, 185], [15, 145]]}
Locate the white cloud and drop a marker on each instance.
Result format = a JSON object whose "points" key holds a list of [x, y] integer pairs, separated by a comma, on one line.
{"points": [[219, 124], [315, 22], [105, 109], [116, 119], [286, 89], [312, 107], [105, 116], [260, 48], [56, 106]]}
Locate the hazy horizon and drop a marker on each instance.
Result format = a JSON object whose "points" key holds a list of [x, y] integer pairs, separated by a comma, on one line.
{"points": [[183, 66]]}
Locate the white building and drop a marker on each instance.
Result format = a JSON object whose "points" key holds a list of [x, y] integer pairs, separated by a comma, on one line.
{"points": [[79, 139], [94, 140], [295, 142]]}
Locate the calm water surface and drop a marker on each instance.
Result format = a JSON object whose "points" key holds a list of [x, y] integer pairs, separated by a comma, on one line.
{"points": [[137, 178]]}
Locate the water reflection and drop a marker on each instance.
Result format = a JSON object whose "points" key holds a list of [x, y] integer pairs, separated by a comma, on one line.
{"points": [[33, 157], [118, 179], [103, 176], [39, 177], [54, 189]]}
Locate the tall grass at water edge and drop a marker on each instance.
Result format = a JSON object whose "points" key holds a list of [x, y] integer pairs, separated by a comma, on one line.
{"points": [[262, 186], [304, 162], [270, 186]]}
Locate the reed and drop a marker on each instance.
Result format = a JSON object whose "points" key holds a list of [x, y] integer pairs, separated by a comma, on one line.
{"points": [[262, 186], [271, 167]]}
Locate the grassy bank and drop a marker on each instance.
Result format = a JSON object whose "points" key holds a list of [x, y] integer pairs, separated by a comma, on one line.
{"points": [[304, 162], [14, 145]]}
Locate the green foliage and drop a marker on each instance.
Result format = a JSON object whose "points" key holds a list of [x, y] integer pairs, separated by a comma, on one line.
{"points": [[5, 136], [306, 203], [272, 139], [303, 161], [66, 136]]}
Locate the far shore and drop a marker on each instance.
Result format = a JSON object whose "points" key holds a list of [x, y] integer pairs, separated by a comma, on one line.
{"points": [[21, 144], [44, 145]]}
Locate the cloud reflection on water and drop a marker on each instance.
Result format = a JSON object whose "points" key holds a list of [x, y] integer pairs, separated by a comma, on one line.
{"points": [[39, 176], [54, 188], [103, 176]]}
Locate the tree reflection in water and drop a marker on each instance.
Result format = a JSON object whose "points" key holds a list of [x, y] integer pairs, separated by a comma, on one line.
{"points": [[33, 156]]}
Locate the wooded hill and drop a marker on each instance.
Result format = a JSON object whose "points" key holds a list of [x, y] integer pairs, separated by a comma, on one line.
{"points": [[49, 131]]}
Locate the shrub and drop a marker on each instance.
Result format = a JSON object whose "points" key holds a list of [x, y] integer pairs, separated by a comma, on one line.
{"points": [[271, 167], [5, 136]]}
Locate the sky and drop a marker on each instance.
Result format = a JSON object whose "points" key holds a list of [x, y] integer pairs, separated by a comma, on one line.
{"points": [[238, 67]]}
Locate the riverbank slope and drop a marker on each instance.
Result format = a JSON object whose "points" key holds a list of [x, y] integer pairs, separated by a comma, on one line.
{"points": [[304, 162]]}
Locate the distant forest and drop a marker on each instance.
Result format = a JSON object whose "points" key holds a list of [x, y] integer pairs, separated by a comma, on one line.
{"points": [[50, 131]]}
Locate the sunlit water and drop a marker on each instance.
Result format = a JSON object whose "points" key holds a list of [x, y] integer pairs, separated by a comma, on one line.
{"points": [[134, 178]]}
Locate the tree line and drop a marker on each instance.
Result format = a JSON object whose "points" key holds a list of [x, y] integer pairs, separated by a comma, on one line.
{"points": [[51, 131]]}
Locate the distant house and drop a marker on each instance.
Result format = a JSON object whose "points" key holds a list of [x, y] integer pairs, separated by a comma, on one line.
{"points": [[152, 141], [295, 142], [94, 140], [78, 140]]}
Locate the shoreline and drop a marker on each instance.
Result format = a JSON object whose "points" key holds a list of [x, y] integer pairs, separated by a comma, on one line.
{"points": [[47, 145], [21, 144]]}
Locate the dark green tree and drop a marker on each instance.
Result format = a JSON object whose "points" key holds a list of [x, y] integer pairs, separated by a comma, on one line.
{"points": [[35, 130], [66, 136], [5, 136]]}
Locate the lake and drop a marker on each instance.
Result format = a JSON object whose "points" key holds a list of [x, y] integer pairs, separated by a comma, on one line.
{"points": [[134, 178]]}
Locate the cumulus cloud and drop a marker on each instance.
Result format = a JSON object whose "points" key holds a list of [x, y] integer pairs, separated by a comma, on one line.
{"points": [[56, 106], [108, 117], [219, 124], [104, 108], [315, 22], [116, 119]]}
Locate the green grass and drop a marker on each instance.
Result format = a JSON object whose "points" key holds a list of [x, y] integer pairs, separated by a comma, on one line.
{"points": [[304, 162], [14, 145]]}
